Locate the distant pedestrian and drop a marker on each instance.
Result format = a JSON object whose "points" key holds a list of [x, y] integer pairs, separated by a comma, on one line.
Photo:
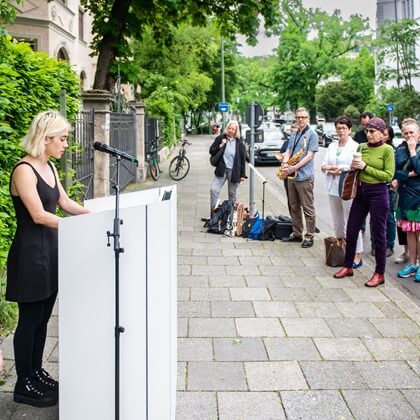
{"points": [[377, 168], [32, 265], [360, 136], [407, 160], [231, 165], [298, 165], [338, 158]]}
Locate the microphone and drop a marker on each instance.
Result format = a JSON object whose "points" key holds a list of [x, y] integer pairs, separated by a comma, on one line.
{"points": [[101, 147]]}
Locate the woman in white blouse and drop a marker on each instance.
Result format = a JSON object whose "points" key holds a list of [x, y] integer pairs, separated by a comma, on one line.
{"points": [[338, 158]]}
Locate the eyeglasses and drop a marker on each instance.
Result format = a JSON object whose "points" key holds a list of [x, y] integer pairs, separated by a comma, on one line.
{"points": [[370, 131], [301, 118]]}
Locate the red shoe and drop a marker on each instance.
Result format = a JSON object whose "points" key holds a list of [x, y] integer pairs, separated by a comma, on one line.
{"points": [[344, 272], [376, 280]]}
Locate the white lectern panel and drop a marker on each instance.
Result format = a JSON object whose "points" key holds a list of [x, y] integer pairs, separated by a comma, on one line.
{"points": [[147, 311]]}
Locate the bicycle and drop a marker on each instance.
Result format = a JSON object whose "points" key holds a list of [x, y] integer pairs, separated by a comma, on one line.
{"points": [[153, 161], [180, 165]]}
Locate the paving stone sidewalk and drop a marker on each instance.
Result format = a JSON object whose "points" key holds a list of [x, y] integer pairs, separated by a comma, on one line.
{"points": [[266, 332]]}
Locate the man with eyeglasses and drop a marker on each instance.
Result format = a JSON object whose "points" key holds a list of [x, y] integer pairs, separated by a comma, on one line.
{"points": [[360, 136], [303, 142]]}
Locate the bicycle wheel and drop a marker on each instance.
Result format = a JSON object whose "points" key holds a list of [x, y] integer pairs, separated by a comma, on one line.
{"points": [[179, 168], [154, 169]]}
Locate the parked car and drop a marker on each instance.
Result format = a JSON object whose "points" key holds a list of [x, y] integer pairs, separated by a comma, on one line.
{"points": [[268, 141], [326, 133], [398, 137]]}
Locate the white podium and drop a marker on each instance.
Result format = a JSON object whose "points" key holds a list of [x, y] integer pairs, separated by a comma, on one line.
{"points": [[148, 284]]}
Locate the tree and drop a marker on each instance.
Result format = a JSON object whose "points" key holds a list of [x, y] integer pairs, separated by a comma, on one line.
{"points": [[358, 73], [397, 44], [254, 82], [179, 79], [311, 43], [333, 98], [115, 22]]}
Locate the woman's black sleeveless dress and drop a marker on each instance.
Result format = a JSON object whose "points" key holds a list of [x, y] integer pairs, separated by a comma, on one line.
{"points": [[32, 264]]}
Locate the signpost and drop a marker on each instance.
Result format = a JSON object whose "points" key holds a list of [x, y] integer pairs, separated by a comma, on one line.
{"points": [[390, 109], [254, 118], [223, 107]]}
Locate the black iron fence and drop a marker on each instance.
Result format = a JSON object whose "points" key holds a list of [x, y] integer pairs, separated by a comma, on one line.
{"points": [[123, 137], [152, 128], [82, 153]]}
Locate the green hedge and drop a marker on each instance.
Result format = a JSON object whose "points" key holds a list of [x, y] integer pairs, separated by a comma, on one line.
{"points": [[30, 82]]}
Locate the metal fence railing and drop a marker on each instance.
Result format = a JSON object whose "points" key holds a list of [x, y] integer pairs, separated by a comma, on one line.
{"points": [[123, 137], [82, 155]]}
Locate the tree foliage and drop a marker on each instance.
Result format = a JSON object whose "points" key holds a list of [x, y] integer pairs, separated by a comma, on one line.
{"points": [[396, 46], [311, 44], [115, 22], [406, 102], [183, 78], [254, 83], [355, 88]]}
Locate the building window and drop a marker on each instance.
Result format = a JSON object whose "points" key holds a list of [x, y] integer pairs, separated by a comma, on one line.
{"points": [[82, 78], [81, 26], [33, 43], [63, 55]]}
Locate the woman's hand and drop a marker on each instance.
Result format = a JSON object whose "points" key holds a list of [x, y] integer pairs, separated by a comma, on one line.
{"points": [[222, 143], [358, 164], [394, 184], [411, 144], [335, 171]]}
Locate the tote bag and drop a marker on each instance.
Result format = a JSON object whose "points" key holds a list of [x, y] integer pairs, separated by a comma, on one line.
{"points": [[347, 184], [335, 250]]}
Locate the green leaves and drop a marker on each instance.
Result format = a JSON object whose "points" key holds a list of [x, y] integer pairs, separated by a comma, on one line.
{"points": [[311, 43], [396, 51]]}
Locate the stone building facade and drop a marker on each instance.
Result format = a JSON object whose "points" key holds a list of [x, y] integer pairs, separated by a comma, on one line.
{"points": [[62, 29]]}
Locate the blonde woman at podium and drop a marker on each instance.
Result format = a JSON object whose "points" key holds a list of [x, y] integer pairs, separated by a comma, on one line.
{"points": [[32, 266]]}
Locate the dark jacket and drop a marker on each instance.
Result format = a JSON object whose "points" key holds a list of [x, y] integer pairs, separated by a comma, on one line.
{"points": [[238, 170], [360, 137], [409, 187]]}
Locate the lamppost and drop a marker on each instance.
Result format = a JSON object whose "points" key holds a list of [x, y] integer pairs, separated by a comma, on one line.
{"points": [[222, 59]]}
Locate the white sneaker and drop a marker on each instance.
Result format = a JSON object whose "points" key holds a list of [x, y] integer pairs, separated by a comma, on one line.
{"points": [[402, 259]]}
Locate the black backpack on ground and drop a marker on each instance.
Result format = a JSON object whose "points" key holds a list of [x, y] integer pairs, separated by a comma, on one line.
{"points": [[220, 218]]}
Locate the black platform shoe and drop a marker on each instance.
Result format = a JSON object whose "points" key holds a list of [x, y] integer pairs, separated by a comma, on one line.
{"points": [[30, 391], [47, 381]]}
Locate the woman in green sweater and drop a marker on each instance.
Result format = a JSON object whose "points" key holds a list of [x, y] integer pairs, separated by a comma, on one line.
{"points": [[377, 168]]}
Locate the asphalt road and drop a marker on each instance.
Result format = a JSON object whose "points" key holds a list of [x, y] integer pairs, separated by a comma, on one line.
{"points": [[324, 222]]}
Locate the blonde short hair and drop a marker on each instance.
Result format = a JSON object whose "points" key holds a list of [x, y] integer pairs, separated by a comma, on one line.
{"points": [[45, 124], [409, 121]]}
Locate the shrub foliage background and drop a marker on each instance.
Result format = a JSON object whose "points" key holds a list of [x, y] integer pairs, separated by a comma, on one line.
{"points": [[30, 82]]}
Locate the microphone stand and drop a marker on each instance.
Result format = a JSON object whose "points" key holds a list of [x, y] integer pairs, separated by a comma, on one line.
{"points": [[117, 251]]}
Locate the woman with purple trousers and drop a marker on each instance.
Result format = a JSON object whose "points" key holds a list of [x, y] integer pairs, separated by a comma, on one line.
{"points": [[377, 168]]}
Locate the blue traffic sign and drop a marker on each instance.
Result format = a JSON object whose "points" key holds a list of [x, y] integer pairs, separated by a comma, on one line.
{"points": [[390, 107], [223, 107]]}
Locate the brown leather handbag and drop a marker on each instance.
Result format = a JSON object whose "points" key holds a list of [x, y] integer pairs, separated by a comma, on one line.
{"points": [[335, 250]]}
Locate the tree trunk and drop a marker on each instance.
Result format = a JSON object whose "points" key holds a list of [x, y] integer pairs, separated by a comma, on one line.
{"points": [[107, 49]]}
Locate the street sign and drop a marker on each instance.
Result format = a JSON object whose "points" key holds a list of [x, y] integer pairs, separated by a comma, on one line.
{"points": [[258, 113], [390, 107], [223, 107]]}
